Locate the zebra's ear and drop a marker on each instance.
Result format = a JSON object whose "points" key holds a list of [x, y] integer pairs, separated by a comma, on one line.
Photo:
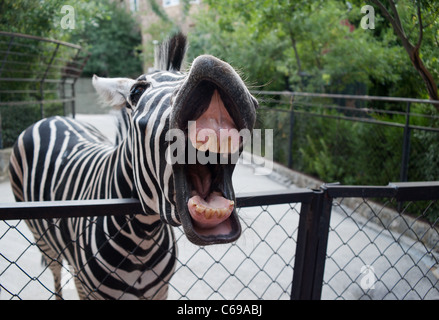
{"points": [[113, 91]]}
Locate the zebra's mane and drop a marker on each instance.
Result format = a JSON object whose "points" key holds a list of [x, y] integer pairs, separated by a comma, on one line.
{"points": [[170, 53]]}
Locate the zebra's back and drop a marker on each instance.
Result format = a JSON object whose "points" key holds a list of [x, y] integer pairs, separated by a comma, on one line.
{"points": [[49, 156]]}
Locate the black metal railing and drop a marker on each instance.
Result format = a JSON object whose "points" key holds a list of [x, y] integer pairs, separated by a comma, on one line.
{"points": [[307, 236]]}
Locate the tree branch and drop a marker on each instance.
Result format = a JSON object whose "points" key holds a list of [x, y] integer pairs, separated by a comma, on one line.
{"points": [[397, 19], [157, 9], [412, 51], [395, 24]]}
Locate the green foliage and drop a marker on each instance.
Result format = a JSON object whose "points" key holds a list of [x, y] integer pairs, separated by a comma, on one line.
{"points": [[317, 45], [103, 28], [29, 16], [15, 120], [114, 41]]}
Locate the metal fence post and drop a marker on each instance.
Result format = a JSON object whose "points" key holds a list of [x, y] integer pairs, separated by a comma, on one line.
{"points": [[312, 240], [11, 41], [405, 147], [1, 131], [43, 79], [291, 136]]}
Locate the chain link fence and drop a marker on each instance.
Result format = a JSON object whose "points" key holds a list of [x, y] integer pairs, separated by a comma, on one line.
{"points": [[334, 243], [376, 253], [258, 266], [383, 247]]}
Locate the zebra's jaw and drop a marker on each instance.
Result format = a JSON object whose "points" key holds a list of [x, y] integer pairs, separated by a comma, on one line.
{"points": [[206, 208], [205, 200], [210, 219]]}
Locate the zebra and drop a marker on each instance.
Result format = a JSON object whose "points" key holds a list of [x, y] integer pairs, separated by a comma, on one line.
{"points": [[133, 256]]}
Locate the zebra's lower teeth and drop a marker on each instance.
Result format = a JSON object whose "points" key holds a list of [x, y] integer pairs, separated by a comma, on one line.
{"points": [[211, 212], [208, 209]]}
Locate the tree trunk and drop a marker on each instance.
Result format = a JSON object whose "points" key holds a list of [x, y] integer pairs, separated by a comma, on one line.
{"points": [[412, 51], [299, 65], [424, 73]]}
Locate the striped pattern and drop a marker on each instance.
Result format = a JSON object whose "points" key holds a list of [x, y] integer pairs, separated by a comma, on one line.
{"points": [[62, 159]]}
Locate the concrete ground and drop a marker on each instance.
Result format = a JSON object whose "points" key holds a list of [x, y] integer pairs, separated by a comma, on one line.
{"points": [[259, 264]]}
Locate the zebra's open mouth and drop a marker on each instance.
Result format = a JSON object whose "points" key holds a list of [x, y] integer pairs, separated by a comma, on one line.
{"points": [[211, 210], [207, 208], [204, 185], [211, 107], [206, 203]]}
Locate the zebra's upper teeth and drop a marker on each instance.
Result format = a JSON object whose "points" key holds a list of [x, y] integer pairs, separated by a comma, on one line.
{"points": [[227, 141], [209, 143], [214, 130]]}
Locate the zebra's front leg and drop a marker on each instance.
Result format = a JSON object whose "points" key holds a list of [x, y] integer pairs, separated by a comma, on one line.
{"points": [[56, 266], [161, 294], [81, 293], [49, 258]]}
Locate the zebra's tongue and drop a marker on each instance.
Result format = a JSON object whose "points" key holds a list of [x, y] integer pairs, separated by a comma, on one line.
{"points": [[201, 179], [210, 212]]}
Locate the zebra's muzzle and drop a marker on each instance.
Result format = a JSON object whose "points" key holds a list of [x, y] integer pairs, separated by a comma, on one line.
{"points": [[212, 106], [205, 198]]}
